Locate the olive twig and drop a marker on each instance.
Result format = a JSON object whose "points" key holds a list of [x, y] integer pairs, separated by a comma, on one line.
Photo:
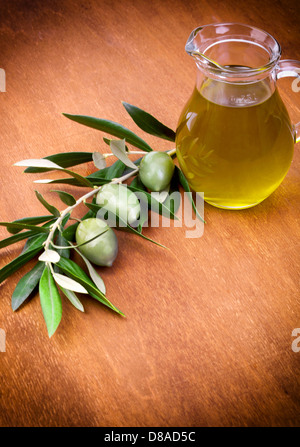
{"points": [[110, 154], [82, 199], [75, 218], [50, 267], [171, 152]]}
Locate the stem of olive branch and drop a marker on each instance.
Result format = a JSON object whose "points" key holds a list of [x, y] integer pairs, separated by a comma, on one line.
{"points": [[109, 154], [50, 267], [172, 152], [80, 200]]}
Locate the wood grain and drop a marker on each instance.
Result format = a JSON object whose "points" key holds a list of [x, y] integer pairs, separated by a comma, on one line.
{"points": [[207, 338]]}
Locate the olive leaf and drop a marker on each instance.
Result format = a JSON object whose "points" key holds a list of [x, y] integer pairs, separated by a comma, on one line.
{"points": [[137, 183], [47, 205], [38, 163], [65, 197], [93, 274], [99, 160], [136, 163], [73, 298], [112, 128], [71, 269], [63, 159], [80, 180], [16, 238], [97, 178], [108, 173], [93, 179], [65, 181], [69, 232], [115, 170], [108, 140], [29, 220], [148, 123], [22, 226], [42, 162], [27, 285], [68, 283], [34, 242], [64, 251], [83, 180], [184, 183], [50, 301], [49, 256], [62, 242], [118, 149], [17, 263]]}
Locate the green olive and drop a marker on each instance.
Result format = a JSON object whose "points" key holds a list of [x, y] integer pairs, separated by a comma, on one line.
{"points": [[104, 249], [156, 170], [120, 200]]}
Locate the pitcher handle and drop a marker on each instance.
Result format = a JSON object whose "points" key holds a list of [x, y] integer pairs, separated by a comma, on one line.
{"points": [[291, 68]]}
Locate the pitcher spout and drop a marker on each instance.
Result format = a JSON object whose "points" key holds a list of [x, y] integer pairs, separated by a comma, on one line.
{"points": [[232, 51], [192, 48]]}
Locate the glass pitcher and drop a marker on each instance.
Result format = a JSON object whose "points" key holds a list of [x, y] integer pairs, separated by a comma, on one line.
{"points": [[234, 138]]}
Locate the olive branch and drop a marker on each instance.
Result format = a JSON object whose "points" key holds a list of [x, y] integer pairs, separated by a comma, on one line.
{"points": [[49, 238]]}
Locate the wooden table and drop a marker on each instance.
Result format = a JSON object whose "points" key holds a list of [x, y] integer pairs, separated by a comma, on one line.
{"points": [[208, 336]]}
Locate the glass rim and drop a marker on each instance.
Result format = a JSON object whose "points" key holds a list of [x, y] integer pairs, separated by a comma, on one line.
{"points": [[217, 69]]}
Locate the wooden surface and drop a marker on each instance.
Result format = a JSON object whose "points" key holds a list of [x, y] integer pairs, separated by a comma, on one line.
{"points": [[208, 334]]}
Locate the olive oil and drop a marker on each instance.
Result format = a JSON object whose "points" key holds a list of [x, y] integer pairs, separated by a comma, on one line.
{"points": [[234, 142]]}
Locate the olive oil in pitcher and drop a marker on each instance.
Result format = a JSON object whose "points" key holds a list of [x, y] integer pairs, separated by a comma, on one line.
{"points": [[234, 142]]}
